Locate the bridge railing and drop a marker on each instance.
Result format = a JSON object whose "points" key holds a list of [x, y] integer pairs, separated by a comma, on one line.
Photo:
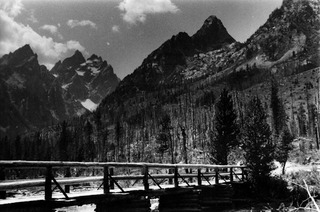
{"points": [[148, 173]]}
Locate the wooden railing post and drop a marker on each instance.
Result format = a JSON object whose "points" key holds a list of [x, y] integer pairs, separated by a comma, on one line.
{"points": [[47, 189], [217, 176], [68, 174], [231, 175], [145, 172], [242, 174], [199, 177], [111, 182], [2, 177], [170, 179], [176, 180], [106, 188]]}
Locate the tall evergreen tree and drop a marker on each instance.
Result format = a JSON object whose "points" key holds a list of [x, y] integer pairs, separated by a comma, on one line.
{"points": [[63, 142], [163, 139], [283, 148], [279, 116], [257, 143], [226, 132], [89, 143], [118, 136]]}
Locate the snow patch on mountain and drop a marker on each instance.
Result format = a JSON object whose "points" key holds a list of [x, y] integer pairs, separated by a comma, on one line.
{"points": [[54, 115], [94, 71], [65, 86], [90, 105], [80, 73]]}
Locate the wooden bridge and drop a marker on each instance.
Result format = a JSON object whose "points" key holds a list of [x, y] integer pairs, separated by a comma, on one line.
{"points": [[129, 184]]}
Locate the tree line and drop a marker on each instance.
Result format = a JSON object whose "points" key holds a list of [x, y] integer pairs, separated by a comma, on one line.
{"points": [[168, 126]]}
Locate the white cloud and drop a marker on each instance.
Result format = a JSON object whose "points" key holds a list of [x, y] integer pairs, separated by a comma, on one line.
{"points": [[32, 18], [115, 28], [52, 29], [136, 10], [12, 8], [14, 35], [73, 23]]}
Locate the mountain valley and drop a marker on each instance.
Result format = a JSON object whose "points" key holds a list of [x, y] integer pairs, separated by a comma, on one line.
{"points": [[176, 88]]}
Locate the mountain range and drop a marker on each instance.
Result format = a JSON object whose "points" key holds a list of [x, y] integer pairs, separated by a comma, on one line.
{"points": [[183, 78], [34, 97], [181, 81]]}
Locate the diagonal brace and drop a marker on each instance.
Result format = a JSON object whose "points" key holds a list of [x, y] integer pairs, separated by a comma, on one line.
{"points": [[205, 178], [60, 188], [154, 181], [222, 177], [234, 173], [183, 179], [113, 180]]}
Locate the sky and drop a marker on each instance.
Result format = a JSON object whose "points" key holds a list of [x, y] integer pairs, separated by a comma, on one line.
{"points": [[122, 32]]}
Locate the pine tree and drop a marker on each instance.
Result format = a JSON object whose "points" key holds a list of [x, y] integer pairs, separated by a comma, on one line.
{"points": [[257, 144], [89, 143], [63, 142], [226, 132], [164, 137], [283, 148], [302, 121], [278, 113], [118, 136]]}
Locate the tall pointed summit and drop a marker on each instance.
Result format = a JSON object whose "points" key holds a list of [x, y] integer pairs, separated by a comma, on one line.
{"points": [[212, 35]]}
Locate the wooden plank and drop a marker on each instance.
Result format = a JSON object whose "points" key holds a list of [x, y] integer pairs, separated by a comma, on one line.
{"points": [[21, 163], [16, 184]]}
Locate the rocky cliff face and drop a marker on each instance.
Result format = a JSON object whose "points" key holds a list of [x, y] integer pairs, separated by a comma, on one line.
{"points": [[165, 66], [33, 98], [87, 80], [212, 35]]}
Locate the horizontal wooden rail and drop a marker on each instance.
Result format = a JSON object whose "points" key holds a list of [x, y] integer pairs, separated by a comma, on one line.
{"points": [[147, 172], [17, 184], [18, 163]]}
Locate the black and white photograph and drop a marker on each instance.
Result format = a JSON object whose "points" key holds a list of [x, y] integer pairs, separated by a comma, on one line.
{"points": [[159, 105]]}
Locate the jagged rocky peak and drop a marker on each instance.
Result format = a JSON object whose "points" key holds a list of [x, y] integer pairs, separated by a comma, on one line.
{"points": [[76, 59], [181, 36], [212, 35], [94, 57], [65, 69], [55, 67], [182, 42], [210, 21], [21, 54]]}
